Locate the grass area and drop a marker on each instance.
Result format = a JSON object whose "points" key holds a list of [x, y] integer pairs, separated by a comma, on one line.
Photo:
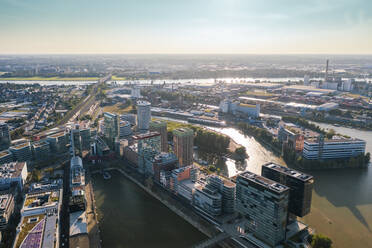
{"points": [[49, 79], [118, 78], [171, 125], [27, 227], [117, 108]]}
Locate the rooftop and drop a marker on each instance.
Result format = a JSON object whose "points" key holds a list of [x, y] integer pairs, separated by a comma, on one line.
{"points": [[145, 135], [267, 183], [288, 171]]}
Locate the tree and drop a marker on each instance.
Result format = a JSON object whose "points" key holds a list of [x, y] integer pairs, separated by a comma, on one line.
{"points": [[321, 241]]}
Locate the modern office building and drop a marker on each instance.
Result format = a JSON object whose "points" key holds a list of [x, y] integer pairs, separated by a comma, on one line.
{"points": [[263, 203], [163, 162], [6, 157], [208, 200], [125, 129], [242, 109], [161, 127], [148, 146], [41, 150], [85, 137], [6, 209], [300, 185], [131, 118], [143, 116], [111, 128], [14, 172], [333, 148], [228, 191], [183, 139], [4, 136], [58, 142], [21, 152]]}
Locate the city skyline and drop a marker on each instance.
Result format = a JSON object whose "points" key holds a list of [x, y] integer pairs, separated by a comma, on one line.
{"points": [[185, 27]]}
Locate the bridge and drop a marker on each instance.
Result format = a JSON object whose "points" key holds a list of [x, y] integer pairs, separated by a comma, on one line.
{"points": [[213, 240]]}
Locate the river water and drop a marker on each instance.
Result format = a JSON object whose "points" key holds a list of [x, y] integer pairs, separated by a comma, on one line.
{"points": [[130, 217], [342, 199]]}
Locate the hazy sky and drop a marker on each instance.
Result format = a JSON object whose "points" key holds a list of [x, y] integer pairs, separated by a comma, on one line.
{"points": [[186, 26]]}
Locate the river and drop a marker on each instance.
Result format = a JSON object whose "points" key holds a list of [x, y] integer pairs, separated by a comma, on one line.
{"points": [[129, 217], [342, 199]]}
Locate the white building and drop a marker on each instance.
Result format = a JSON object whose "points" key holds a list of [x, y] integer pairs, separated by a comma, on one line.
{"points": [[136, 92], [333, 148], [143, 115], [14, 172], [327, 106]]}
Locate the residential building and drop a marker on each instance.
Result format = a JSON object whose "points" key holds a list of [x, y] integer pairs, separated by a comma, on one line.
{"points": [[183, 139], [161, 127], [4, 136], [300, 185], [335, 148], [263, 203], [143, 116]]}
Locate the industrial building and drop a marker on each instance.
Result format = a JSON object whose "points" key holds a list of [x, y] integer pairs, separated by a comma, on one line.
{"points": [[183, 139], [300, 185], [161, 127], [143, 115], [335, 148], [263, 203]]}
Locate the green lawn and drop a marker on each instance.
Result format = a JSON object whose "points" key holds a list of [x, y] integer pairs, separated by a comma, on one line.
{"points": [[118, 78], [49, 79]]}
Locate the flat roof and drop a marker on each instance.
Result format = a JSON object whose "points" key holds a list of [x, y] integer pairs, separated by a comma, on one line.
{"points": [[290, 172], [145, 135], [267, 183]]}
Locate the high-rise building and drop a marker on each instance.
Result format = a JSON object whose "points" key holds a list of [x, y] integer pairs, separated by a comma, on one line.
{"points": [[263, 203], [143, 115], [58, 142], [148, 146], [85, 136], [163, 162], [183, 139], [111, 129], [4, 136], [228, 191], [300, 184], [161, 127]]}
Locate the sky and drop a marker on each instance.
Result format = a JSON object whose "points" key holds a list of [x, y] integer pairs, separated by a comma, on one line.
{"points": [[186, 26]]}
